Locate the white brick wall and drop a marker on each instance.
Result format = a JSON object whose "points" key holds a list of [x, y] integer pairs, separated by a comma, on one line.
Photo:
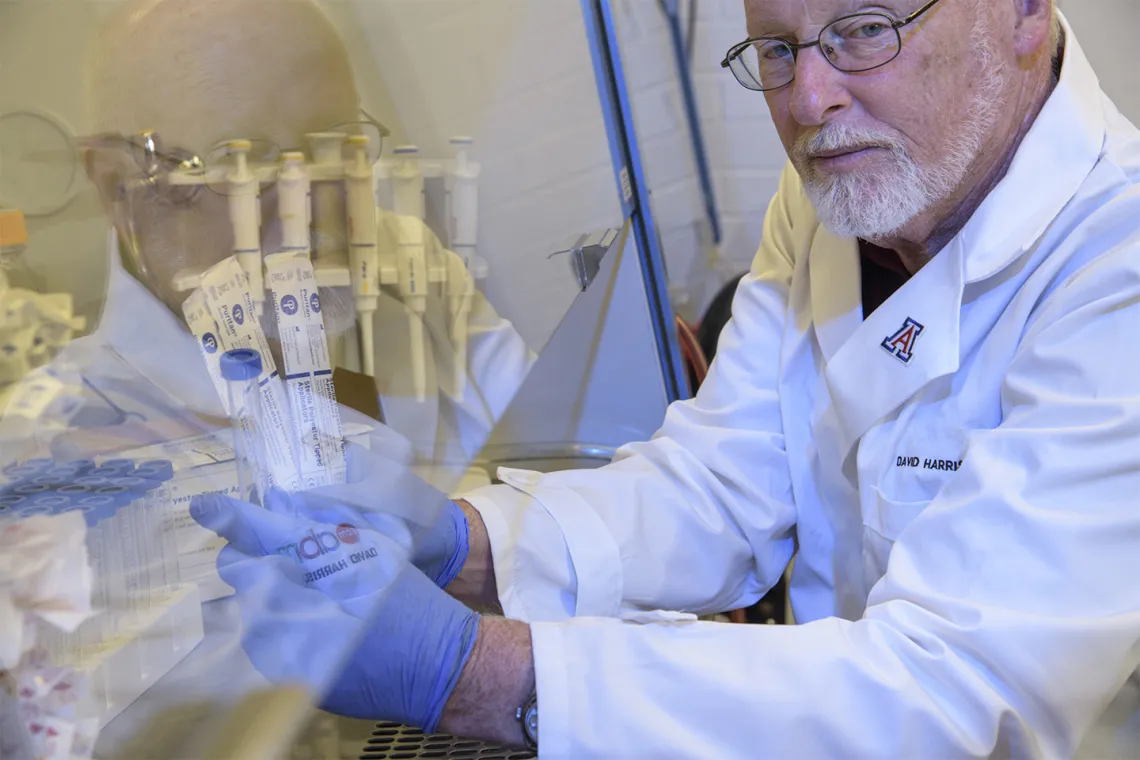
{"points": [[744, 153], [516, 75]]}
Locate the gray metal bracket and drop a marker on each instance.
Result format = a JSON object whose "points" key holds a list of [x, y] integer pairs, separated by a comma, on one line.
{"points": [[586, 253]]}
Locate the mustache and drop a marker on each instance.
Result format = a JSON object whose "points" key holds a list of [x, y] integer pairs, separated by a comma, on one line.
{"points": [[840, 137]]}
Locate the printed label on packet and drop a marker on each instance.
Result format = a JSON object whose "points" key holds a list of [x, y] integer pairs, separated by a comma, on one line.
{"points": [[226, 289], [205, 330], [308, 371], [345, 563]]}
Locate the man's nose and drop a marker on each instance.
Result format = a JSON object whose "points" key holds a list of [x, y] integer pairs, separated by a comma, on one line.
{"points": [[818, 91]]}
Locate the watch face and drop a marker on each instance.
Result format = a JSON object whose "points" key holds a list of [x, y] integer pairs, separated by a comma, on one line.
{"points": [[530, 724]]}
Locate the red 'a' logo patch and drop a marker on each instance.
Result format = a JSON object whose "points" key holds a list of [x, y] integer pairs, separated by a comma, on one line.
{"points": [[901, 344]]}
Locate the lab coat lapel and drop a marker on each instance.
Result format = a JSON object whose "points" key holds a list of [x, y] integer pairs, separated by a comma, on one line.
{"points": [[146, 336], [1041, 179], [836, 295], [906, 343]]}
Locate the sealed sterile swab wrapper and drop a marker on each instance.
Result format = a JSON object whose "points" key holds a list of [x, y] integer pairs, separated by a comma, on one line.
{"points": [[205, 330], [308, 372], [231, 304]]}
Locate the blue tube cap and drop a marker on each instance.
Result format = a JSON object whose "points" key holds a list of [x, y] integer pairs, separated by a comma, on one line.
{"points": [[240, 364], [156, 469], [52, 500], [30, 489]]}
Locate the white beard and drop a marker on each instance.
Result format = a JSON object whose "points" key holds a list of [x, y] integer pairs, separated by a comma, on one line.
{"points": [[876, 203]]}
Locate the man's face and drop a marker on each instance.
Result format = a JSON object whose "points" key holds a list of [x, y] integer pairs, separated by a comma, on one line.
{"points": [[877, 148], [269, 71], [170, 233]]}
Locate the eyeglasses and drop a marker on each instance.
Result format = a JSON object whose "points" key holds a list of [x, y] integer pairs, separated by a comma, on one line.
{"points": [[175, 174], [851, 44]]}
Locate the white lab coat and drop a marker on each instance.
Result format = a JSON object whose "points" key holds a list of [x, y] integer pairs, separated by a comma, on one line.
{"points": [[990, 608]]}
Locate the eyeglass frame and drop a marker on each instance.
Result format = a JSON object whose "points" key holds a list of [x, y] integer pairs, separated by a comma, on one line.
{"points": [[180, 159], [736, 50]]}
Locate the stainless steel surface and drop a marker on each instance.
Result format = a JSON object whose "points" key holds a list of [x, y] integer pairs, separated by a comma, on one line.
{"points": [[391, 741], [543, 457]]}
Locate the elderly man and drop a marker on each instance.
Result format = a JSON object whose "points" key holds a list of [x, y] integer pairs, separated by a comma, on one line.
{"points": [[920, 396]]}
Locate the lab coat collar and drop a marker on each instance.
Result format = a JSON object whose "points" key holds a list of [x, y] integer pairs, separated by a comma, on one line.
{"points": [[834, 271], [1057, 154], [148, 338]]}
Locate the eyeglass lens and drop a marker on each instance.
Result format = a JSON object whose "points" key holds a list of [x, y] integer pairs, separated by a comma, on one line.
{"points": [[853, 44]]}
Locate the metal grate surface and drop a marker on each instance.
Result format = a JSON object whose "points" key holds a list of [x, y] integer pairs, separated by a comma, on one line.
{"points": [[391, 741]]}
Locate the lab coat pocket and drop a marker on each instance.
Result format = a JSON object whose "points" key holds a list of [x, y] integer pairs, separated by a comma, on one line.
{"points": [[883, 523]]}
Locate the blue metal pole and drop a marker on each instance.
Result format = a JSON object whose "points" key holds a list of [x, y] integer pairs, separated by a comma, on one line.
{"points": [[601, 33], [692, 114]]}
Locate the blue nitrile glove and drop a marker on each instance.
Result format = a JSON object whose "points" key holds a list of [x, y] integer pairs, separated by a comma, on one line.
{"points": [[318, 600], [389, 498]]}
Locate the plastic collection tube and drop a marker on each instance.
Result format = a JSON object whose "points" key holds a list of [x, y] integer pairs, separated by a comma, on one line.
{"points": [[229, 301], [241, 369]]}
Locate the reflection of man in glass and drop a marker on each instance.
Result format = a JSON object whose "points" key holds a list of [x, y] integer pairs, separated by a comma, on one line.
{"points": [[269, 72]]}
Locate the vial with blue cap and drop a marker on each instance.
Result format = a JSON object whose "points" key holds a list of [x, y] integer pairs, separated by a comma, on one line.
{"points": [[241, 369], [159, 470]]}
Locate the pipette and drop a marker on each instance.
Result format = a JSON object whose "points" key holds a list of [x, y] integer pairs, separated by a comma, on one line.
{"points": [[411, 258], [330, 261], [245, 218], [363, 253], [293, 203], [463, 186], [328, 211]]}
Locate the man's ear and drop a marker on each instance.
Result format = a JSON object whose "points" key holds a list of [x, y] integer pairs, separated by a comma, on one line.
{"points": [[1033, 26]]}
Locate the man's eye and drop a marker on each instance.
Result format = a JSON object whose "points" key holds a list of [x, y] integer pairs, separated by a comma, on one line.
{"points": [[776, 52], [866, 30]]}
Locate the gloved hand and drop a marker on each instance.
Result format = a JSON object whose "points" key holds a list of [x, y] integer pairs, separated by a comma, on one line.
{"points": [[389, 498], [338, 608]]}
